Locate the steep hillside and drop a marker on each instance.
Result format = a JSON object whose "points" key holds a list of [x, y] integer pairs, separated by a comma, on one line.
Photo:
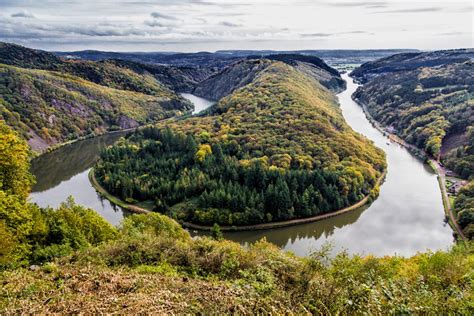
{"points": [[430, 107], [275, 149], [231, 78], [111, 73], [49, 107], [51, 101], [410, 61], [182, 78], [244, 72], [314, 67]]}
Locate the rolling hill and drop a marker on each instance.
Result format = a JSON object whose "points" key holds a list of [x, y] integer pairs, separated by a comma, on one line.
{"points": [[50, 101]]}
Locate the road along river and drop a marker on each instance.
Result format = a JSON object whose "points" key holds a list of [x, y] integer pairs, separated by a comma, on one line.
{"points": [[406, 218]]}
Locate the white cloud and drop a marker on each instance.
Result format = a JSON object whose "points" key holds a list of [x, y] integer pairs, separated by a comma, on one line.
{"points": [[193, 25]]}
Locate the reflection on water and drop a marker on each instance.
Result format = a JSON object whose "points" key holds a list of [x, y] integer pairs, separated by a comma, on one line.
{"points": [[62, 164], [64, 172], [407, 216]]}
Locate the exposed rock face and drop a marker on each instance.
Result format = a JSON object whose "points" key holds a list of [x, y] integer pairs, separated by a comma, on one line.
{"points": [[125, 122]]}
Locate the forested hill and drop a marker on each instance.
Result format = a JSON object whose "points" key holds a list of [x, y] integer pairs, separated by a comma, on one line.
{"points": [[430, 107], [277, 148], [50, 101], [410, 61], [245, 71], [118, 74]]}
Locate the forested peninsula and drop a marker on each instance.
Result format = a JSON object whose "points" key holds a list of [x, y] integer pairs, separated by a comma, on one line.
{"points": [[273, 149]]}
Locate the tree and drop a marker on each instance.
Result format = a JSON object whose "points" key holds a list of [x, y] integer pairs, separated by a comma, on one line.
{"points": [[216, 232], [15, 181]]}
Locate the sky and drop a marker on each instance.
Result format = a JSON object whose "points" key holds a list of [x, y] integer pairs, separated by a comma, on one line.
{"points": [[209, 25]]}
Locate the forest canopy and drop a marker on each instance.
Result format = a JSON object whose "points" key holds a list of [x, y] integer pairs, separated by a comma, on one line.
{"points": [[275, 149]]}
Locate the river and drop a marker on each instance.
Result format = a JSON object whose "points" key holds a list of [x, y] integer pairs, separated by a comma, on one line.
{"points": [[407, 217]]}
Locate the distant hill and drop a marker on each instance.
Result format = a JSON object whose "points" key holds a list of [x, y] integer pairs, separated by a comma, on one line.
{"points": [[111, 73], [411, 61], [427, 99], [223, 58], [50, 101]]}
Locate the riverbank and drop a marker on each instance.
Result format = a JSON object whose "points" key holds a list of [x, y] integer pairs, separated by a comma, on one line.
{"points": [[434, 165], [73, 141], [115, 200], [292, 222]]}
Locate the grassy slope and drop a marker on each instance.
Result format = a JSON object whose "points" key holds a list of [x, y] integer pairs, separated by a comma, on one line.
{"points": [[157, 267]]}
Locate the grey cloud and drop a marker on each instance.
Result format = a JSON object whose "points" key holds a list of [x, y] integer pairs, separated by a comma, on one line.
{"points": [[156, 23], [158, 15], [23, 14], [229, 24], [452, 33], [358, 32], [334, 34], [316, 35], [414, 10], [363, 4]]}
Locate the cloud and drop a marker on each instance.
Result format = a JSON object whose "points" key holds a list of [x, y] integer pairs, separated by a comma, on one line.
{"points": [[23, 14], [414, 10], [362, 4], [161, 20], [321, 35], [452, 33], [316, 34], [357, 32], [229, 24], [157, 15]]}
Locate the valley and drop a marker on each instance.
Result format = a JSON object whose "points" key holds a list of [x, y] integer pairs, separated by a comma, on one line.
{"points": [[415, 201], [236, 157], [278, 143]]}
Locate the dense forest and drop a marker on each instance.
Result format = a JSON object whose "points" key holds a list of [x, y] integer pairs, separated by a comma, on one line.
{"points": [[50, 101], [430, 107], [69, 259], [275, 149], [464, 207]]}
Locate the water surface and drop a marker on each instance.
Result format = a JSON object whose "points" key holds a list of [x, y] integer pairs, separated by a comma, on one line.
{"points": [[406, 218], [64, 172], [200, 104]]}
